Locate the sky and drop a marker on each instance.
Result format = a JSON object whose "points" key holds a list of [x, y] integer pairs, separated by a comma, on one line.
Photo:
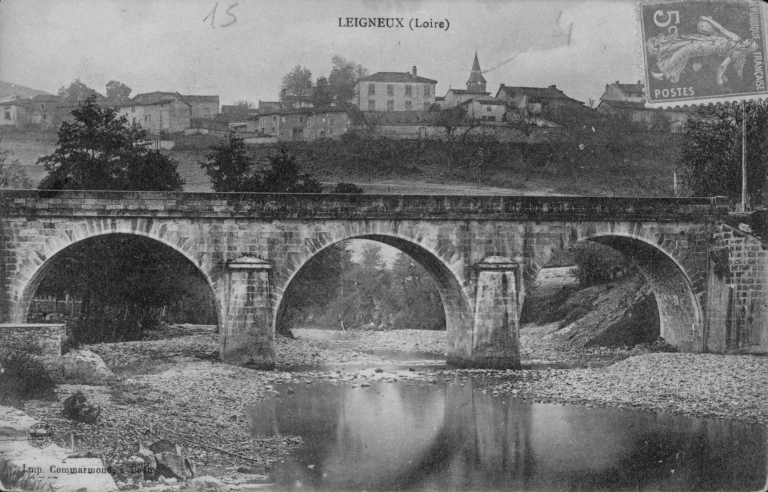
{"points": [[196, 47]]}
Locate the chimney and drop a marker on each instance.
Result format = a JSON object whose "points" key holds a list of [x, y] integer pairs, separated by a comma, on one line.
{"points": [[553, 87], [414, 71], [617, 83]]}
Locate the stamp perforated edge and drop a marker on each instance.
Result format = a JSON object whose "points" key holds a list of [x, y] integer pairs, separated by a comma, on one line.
{"points": [[693, 103]]}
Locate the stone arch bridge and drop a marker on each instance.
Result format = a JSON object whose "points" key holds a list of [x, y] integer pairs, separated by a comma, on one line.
{"points": [[484, 253]]}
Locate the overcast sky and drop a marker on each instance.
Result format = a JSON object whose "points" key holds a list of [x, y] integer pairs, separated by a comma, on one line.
{"points": [[166, 45]]}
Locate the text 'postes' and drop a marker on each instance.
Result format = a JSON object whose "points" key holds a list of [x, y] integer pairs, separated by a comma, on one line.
{"points": [[394, 23]]}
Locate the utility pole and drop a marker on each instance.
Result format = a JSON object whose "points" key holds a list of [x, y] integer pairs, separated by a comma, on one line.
{"points": [[743, 156]]}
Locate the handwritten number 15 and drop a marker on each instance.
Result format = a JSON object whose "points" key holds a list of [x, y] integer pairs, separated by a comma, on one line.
{"points": [[212, 15]]}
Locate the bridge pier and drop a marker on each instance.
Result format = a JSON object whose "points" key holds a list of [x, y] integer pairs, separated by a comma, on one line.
{"points": [[247, 337], [495, 340]]}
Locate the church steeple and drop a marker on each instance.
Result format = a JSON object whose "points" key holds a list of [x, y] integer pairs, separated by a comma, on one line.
{"points": [[476, 82]]}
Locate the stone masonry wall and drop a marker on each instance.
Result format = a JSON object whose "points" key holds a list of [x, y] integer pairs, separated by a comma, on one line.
{"points": [[449, 235], [738, 292], [42, 340]]}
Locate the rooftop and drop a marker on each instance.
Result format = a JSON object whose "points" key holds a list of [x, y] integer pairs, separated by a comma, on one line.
{"points": [[402, 77]]}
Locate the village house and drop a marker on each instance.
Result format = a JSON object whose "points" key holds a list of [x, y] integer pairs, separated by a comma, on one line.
{"points": [[47, 112], [395, 91], [302, 124], [156, 115], [536, 100], [487, 109], [15, 112], [199, 106], [42, 112], [629, 100], [327, 123], [272, 106]]}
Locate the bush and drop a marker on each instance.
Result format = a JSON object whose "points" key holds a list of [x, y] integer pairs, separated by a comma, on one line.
{"points": [[23, 377], [597, 264], [350, 188]]}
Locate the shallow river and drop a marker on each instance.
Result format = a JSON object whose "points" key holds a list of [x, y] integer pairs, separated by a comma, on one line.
{"points": [[449, 436]]}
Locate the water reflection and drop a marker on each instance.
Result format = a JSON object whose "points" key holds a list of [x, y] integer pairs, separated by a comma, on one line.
{"points": [[392, 436]]}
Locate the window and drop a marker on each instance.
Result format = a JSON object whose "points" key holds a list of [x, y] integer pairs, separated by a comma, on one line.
{"points": [[282, 120], [133, 109], [390, 105], [330, 131], [274, 119], [263, 129], [332, 121], [263, 120], [42, 106], [371, 89], [45, 117], [427, 91], [371, 105], [301, 119], [207, 111], [8, 114], [408, 90], [273, 129], [487, 108], [134, 119], [390, 90], [408, 106]]}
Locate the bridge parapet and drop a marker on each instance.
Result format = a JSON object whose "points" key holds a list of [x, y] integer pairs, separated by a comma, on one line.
{"points": [[337, 206]]}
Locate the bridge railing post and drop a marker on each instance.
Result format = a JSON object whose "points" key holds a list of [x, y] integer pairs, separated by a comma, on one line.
{"points": [[495, 330], [248, 337]]}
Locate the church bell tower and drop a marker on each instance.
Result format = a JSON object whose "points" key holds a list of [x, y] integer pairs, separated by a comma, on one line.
{"points": [[476, 82]]}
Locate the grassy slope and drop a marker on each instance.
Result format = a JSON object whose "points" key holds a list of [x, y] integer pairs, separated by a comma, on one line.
{"points": [[642, 165]]}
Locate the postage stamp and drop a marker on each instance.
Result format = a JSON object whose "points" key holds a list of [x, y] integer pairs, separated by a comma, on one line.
{"points": [[702, 51]]}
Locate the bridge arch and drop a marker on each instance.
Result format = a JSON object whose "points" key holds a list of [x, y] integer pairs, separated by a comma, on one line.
{"points": [[37, 264], [677, 295], [454, 296]]}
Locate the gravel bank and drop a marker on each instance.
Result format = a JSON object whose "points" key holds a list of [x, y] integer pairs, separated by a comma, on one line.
{"points": [[729, 387], [200, 405], [425, 341]]}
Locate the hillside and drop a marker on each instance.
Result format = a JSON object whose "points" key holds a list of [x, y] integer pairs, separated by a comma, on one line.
{"points": [[639, 164], [7, 89]]}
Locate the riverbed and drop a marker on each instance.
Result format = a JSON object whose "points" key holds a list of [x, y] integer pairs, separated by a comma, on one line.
{"points": [[174, 388]]}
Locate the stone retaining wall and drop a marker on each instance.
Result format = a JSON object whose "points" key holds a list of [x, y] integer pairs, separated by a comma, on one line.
{"points": [[38, 339]]}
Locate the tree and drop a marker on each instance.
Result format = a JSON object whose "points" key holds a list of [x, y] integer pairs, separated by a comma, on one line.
{"points": [[100, 151], [456, 126], [711, 155], [296, 87], [659, 122], [343, 79], [321, 93], [313, 288], [284, 176], [241, 110], [117, 91], [420, 306], [13, 175], [77, 91], [124, 283], [230, 168]]}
